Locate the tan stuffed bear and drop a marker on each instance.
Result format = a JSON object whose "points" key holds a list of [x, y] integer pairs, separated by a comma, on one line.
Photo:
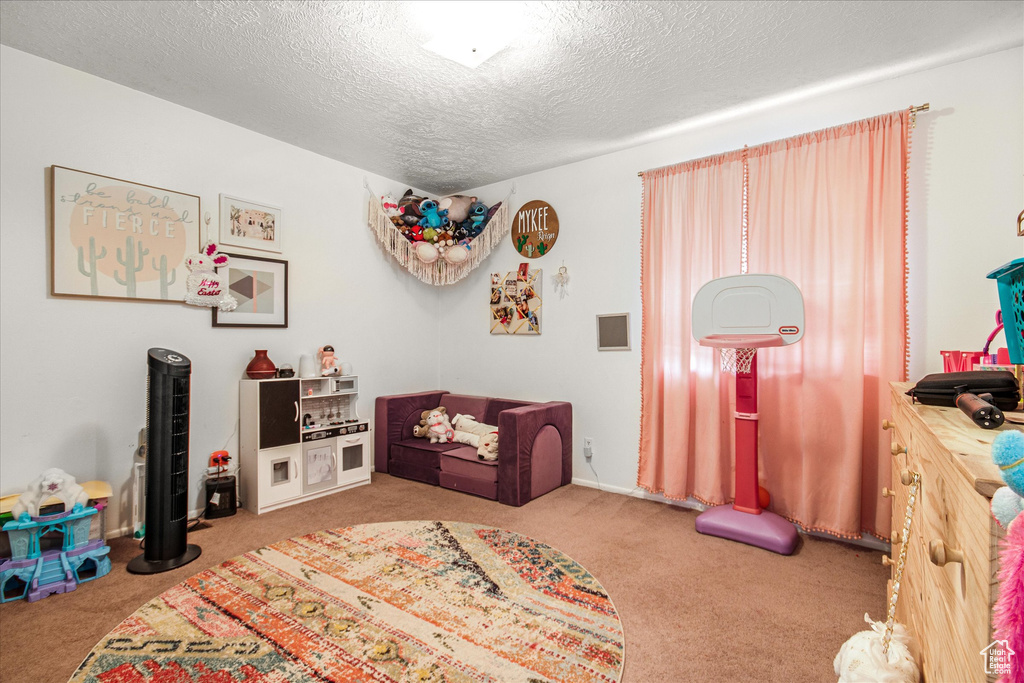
{"points": [[422, 430]]}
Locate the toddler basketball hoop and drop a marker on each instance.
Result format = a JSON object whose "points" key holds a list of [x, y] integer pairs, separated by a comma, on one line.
{"points": [[740, 314]]}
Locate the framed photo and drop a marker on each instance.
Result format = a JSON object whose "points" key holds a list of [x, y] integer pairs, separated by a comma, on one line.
{"points": [[261, 287], [613, 332], [249, 225], [116, 239]]}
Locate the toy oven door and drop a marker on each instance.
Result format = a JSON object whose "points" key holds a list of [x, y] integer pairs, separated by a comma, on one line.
{"points": [[319, 465]]}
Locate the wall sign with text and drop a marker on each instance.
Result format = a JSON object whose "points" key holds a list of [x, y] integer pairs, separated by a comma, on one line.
{"points": [[535, 229], [118, 239]]}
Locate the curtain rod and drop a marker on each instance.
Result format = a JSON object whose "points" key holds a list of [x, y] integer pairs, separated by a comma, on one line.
{"points": [[913, 110]]}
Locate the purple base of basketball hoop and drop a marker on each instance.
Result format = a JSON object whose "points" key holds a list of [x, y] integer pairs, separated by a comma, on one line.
{"points": [[766, 530]]}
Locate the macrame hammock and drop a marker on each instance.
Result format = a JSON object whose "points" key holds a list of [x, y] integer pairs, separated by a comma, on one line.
{"points": [[439, 272]]}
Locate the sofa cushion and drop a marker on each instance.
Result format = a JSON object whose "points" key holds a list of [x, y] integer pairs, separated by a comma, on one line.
{"points": [[459, 404], [420, 452], [495, 407], [465, 462], [478, 487], [428, 475]]}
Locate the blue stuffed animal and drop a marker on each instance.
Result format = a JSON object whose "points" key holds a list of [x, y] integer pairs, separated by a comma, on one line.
{"points": [[474, 225], [432, 217], [1008, 454]]}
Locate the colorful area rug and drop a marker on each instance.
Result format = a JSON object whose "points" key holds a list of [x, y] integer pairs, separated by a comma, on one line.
{"points": [[421, 602]]}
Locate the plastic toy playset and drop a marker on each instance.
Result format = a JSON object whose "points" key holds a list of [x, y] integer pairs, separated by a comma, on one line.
{"points": [[52, 553]]}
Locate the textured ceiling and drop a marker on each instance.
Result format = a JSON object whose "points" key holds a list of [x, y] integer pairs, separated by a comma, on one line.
{"points": [[351, 81]]}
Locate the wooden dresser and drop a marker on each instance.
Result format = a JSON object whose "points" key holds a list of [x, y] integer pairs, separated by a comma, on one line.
{"points": [[950, 578]]}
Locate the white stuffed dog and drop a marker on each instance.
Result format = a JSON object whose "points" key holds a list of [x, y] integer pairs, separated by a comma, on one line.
{"points": [[482, 437], [52, 482]]}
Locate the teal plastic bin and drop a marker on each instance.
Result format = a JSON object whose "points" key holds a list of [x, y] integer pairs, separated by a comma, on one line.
{"points": [[1010, 279]]}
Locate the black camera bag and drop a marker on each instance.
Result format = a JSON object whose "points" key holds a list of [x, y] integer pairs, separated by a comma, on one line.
{"points": [[941, 389]]}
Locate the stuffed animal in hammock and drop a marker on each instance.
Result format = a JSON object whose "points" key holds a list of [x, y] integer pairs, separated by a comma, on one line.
{"points": [[457, 205]]}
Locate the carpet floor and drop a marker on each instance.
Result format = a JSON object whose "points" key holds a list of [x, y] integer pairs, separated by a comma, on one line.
{"points": [[693, 607]]}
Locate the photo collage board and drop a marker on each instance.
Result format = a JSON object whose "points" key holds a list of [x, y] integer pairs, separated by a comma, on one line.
{"points": [[516, 301]]}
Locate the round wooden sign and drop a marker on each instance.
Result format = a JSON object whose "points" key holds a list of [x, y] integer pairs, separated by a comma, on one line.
{"points": [[535, 229]]}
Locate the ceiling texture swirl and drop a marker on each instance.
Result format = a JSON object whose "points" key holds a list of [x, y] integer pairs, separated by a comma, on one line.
{"points": [[352, 80]]}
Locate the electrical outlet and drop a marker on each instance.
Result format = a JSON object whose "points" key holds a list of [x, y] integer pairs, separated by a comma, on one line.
{"points": [[588, 447]]}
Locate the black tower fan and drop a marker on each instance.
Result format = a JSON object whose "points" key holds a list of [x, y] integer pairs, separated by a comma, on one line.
{"points": [[167, 403]]}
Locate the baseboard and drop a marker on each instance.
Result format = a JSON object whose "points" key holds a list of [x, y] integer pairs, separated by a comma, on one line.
{"points": [[128, 530], [865, 540], [640, 493]]}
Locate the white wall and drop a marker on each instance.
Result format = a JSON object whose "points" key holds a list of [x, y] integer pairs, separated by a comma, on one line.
{"points": [[74, 371], [966, 191]]}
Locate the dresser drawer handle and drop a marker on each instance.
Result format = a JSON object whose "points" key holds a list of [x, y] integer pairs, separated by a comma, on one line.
{"points": [[897, 449], [941, 555], [886, 424], [887, 492], [887, 561], [906, 477], [897, 538]]}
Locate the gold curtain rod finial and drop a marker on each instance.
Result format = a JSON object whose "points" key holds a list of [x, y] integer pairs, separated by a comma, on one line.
{"points": [[921, 107]]}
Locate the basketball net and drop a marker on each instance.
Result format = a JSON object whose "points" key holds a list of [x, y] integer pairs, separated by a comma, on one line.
{"points": [[737, 360]]}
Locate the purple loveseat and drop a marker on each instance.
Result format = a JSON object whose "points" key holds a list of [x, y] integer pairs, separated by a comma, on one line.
{"points": [[534, 445]]}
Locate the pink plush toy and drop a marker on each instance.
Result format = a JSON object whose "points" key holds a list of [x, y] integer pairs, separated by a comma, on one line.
{"points": [[1008, 614], [1008, 509], [329, 365], [204, 286], [439, 429]]}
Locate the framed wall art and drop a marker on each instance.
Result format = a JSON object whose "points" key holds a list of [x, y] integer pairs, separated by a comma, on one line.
{"points": [[117, 239], [249, 225], [261, 287], [516, 301]]}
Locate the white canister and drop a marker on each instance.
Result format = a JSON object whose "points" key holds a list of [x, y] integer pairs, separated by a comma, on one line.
{"points": [[346, 368], [307, 367]]}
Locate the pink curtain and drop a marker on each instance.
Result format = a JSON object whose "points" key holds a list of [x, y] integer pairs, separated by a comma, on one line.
{"points": [[692, 228], [826, 210]]}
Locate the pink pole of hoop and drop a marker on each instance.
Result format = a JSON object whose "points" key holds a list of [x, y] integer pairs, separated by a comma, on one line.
{"points": [[747, 498]]}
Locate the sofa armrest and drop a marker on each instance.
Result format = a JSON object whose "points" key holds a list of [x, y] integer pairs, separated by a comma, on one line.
{"points": [[534, 451], [390, 416]]}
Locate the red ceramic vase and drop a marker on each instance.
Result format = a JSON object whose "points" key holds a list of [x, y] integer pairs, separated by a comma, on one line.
{"points": [[260, 367]]}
